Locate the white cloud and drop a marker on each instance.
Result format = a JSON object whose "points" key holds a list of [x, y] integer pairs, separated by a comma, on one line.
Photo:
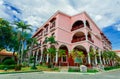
{"points": [[1, 2], [98, 17], [117, 27], [36, 12]]}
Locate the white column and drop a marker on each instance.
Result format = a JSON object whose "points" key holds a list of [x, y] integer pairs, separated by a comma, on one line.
{"points": [[86, 36], [47, 58], [56, 57], [89, 61], [37, 55], [104, 61], [41, 55], [84, 23], [95, 58], [100, 57]]}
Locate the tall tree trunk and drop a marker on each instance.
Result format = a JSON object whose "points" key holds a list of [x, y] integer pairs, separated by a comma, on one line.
{"points": [[19, 52], [30, 52], [22, 52]]}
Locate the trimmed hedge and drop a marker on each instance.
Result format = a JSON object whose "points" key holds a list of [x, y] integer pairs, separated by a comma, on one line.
{"points": [[92, 70], [9, 62], [78, 70], [2, 67], [73, 70], [111, 67]]}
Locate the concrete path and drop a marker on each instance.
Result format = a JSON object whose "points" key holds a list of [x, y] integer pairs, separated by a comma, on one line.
{"points": [[62, 75]]}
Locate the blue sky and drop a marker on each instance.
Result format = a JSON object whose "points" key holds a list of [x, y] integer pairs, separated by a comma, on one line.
{"points": [[106, 13]]}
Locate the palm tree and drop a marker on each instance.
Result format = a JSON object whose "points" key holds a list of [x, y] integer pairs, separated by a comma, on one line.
{"points": [[105, 56], [78, 56], [109, 57], [30, 43], [23, 26], [51, 51], [61, 52], [6, 31]]}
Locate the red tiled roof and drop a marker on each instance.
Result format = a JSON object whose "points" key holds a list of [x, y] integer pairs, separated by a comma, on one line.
{"points": [[117, 51], [6, 53]]}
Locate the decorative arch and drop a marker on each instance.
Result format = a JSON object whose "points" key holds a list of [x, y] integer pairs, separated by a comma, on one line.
{"points": [[64, 47], [77, 25], [79, 36], [63, 60], [83, 49]]}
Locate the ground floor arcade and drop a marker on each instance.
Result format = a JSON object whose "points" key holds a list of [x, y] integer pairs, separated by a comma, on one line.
{"points": [[67, 59]]}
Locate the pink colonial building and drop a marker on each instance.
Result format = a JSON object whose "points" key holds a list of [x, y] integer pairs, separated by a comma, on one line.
{"points": [[77, 32]]}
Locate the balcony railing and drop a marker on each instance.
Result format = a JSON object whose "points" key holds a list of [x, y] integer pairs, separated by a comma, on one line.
{"points": [[45, 33], [52, 29], [78, 39], [77, 27], [53, 25]]}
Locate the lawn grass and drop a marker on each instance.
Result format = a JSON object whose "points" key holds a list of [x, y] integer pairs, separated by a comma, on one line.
{"points": [[28, 69]]}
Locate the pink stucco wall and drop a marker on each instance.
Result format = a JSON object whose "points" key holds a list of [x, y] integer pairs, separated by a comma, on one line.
{"points": [[64, 35]]}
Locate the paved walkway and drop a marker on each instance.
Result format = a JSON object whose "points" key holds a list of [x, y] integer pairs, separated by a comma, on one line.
{"points": [[62, 75]]}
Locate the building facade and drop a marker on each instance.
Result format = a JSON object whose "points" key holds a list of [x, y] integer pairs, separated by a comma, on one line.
{"points": [[77, 32]]}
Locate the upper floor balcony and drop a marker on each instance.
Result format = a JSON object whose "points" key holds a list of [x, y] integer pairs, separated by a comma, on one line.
{"points": [[52, 24], [77, 25], [80, 24], [80, 36], [52, 27]]}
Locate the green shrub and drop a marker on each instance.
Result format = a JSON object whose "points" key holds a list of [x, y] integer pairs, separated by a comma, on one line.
{"points": [[56, 68], [111, 67], [8, 62], [33, 67], [73, 70], [18, 67], [2, 66], [92, 70], [10, 66], [7, 66]]}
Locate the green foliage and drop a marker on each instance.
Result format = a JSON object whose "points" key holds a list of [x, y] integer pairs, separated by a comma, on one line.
{"points": [[51, 51], [33, 67], [77, 55], [6, 32], [61, 52], [9, 62], [110, 55], [52, 40], [73, 70], [92, 55], [92, 70], [7, 66], [78, 70], [55, 69], [111, 67], [22, 25], [18, 67]]}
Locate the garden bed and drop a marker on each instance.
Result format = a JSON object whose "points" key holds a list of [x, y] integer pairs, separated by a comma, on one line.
{"points": [[28, 69]]}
